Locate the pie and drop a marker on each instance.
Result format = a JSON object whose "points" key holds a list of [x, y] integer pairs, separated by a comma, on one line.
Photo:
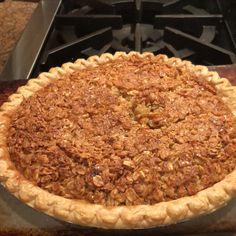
{"points": [[121, 141]]}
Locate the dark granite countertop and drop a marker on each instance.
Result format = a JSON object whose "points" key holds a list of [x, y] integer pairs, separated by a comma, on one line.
{"points": [[14, 16]]}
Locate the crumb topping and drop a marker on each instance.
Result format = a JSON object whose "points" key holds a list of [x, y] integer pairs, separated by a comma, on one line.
{"points": [[131, 131]]}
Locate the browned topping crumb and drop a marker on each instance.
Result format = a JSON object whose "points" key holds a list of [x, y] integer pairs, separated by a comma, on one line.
{"points": [[128, 132]]}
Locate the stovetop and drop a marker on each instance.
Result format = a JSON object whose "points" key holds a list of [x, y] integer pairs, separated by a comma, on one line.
{"points": [[60, 31], [193, 30], [203, 32]]}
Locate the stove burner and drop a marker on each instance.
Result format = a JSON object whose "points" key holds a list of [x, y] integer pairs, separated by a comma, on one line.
{"points": [[175, 27]]}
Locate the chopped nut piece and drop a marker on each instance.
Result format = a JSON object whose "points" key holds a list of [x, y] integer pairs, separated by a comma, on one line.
{"points": [[97, 180], [81, 170], [128, 163], [158, 195], [168, 166], [141, 110], [130, 179], [43, 159], [131, 195]]}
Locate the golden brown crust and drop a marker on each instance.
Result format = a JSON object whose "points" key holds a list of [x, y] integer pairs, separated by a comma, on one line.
{"points": [[84, 213]]}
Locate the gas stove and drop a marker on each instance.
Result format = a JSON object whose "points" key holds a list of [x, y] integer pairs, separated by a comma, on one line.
{"points": [[203, 32], [60, 31]]}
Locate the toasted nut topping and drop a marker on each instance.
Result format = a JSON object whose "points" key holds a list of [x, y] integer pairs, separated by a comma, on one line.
{"points": [[127, 132]]}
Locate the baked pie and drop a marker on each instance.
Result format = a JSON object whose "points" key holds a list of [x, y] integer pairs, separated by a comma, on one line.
{"points": [[121, 141]]}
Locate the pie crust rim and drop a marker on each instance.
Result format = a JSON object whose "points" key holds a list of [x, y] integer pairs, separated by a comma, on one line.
{"points": [[88, 214]]}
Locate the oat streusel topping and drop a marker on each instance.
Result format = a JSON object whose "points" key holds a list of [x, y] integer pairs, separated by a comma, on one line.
{"points": [[127, 132]]}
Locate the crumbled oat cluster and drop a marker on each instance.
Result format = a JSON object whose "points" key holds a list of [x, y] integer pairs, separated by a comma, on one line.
{"points": [[127, 132]]}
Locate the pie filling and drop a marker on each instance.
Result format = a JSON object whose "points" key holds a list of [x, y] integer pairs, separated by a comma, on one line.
{"points": [[128, 132]]}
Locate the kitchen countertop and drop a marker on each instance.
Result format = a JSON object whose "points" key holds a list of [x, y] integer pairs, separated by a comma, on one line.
{"points": [[14, 16]]}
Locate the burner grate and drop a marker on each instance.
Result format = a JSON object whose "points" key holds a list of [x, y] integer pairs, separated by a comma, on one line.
{"points": [[206, 51], [94, 41], [187, 29], [203, 32]]}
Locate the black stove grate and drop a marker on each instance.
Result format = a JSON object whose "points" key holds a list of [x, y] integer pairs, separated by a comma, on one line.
{"points": [[203, 32], [193, 30]]}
